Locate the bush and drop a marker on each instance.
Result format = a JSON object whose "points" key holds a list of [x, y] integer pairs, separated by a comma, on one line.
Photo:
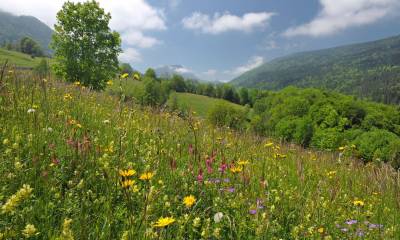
{"points": [[379, 145], [224, 114], [328, 138]]}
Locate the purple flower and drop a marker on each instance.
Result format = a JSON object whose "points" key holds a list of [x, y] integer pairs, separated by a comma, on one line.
{"points": [[351, 222], [230, 189], [252, 211], [360, 232], [373, 226], [227, 180]]}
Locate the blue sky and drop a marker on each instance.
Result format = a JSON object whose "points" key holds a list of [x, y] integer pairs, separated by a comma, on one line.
{"points": [[219, 40]]}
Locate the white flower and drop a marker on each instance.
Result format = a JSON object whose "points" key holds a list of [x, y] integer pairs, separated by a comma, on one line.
{"points": [[31, 110], [106, 121], [218, 217]]}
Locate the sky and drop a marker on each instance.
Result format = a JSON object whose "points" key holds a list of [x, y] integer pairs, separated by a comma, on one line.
{"points": [[218, 40]]}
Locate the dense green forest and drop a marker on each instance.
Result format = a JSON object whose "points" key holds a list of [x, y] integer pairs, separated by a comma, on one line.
{"points": [[369, 70]]}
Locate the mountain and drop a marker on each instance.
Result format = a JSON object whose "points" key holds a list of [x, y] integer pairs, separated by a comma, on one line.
{"points": [[167, 71], [13, 28], [369, 70]]}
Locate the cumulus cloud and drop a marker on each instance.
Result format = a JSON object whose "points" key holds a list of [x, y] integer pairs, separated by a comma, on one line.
{"points": [[254, 62], [137, 38], [220, 23], [131, 18], [338, 15], [130, 55]]}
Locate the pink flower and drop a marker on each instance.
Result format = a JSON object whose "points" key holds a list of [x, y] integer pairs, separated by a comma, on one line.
{"points": [[200, 176]]}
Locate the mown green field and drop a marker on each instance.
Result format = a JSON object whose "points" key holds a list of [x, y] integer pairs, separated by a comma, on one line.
{"points": [[78, 164], [18, 59], [198, 103]]}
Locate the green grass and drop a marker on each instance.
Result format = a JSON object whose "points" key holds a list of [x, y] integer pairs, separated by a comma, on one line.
{"points": [[18, 59], [62, 148], [198, 103]]}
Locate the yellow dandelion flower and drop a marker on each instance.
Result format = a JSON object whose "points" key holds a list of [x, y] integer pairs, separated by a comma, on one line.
{"points": [[321, 230], [67, 96], [127, 183], [136, 76], [341, 148], [243, 162], [77, 83], [110, 83], [358, 203], [164, 221], [237, 169], [127, 173], [146, 176], [189, 200], [125, 75]]}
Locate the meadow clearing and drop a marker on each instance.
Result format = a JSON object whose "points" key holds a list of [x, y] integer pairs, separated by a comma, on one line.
{"points": [[81, 164]]}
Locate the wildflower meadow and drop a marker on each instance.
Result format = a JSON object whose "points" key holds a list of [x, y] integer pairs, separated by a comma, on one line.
{"points": [[81, 164]]}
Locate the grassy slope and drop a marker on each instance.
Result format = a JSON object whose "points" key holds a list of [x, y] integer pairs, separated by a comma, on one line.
{"points": [[17, 58], [198, 103], [71, 148]]}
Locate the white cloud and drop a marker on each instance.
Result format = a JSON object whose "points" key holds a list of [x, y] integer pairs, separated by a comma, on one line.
{"points": [[270, 45], [210, 72], [338, 15], [130, 55], [254, 62], [220, 23], [130, 18], [182, 69], [136, 38]]}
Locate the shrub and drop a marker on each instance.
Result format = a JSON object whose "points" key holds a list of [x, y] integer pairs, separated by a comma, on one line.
{"points": [[223, 114], [379, 145]]}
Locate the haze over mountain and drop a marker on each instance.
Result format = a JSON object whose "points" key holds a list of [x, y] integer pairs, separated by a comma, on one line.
{"points": [[370, 70], [13, 28], [167, 71]]}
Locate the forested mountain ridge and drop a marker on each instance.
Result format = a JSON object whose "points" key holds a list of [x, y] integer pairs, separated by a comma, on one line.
{"points": [[14, 28], [369, 70]]}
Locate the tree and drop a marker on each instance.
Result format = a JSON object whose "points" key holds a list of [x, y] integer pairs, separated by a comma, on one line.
{"points": [[150, 73], [29, 46], [178, 83], [86, 50]]}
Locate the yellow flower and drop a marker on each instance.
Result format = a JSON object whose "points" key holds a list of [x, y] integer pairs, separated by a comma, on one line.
{"points": [[67, 96], [331, 174], [29, 231], [269, 144], [16, 199], [77, 83], [110, 83], [189, 200], [321, 230], [136, 76], [127, 173], [125, 75], [164, 221], [78, 125], [127, 183], [358, 203], [341, 148], [146, 176], [236, 169], [243, 162]]}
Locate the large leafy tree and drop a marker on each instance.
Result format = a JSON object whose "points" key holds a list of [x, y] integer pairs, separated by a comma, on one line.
{"points": [[85, 48]]}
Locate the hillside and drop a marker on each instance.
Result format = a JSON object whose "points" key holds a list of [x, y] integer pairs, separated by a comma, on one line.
{"points": [[13, 28], [370, 70], [198, 103], [18, 59]]}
